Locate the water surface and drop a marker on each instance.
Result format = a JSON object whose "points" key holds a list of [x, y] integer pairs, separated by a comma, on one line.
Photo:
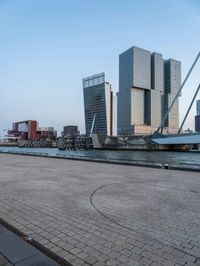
{"points": [[164, 157]]}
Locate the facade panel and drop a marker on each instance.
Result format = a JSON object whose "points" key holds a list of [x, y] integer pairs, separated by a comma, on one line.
{"points": [[114, 115], [198, 107], [137, 106], [172, 85], [153, 108], [172, 122], [23, 127], [124, 112], [126, 70], [124, 94], [141, 68], [172, 76], [197, 123], [157, 72]]}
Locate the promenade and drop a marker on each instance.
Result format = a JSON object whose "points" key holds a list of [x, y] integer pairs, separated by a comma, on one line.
{"points": [[102, 214]]}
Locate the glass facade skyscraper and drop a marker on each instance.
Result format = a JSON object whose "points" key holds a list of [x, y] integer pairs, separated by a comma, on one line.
{"points": [[98, 105], [147, 85]]}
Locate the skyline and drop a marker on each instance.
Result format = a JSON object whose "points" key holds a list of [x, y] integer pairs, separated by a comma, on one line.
{"points": [[47, 48]]}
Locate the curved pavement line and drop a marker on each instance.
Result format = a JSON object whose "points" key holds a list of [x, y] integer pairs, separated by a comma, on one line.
{"points": [[165, 243]]}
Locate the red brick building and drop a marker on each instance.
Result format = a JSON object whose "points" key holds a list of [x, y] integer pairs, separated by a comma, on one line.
{"points": [[29, 130]]}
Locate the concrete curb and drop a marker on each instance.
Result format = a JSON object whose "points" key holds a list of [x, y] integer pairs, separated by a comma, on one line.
{"points": [[35, 244]]}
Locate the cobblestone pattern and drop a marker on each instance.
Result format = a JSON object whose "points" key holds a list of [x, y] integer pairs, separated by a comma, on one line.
{"points": [[140, 216]]}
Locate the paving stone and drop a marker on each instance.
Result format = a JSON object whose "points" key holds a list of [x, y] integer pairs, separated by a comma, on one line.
{"points": [[144, 215], [91, 260], [82, 255], [75, 251], [99, 264]]}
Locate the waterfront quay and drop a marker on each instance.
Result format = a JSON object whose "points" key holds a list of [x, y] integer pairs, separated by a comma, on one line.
{"points": [[99, 214]]}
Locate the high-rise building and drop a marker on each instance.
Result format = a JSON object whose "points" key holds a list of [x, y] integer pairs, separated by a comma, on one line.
{"points": [[154, 97], [197, 117], [114, 115], [198, 107], [147, 85], [98, 105], [172, 85], [134, 80]]}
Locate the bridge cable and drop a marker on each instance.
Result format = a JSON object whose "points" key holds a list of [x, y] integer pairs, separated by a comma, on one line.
{"points": [[177, 95], [189, 109]]}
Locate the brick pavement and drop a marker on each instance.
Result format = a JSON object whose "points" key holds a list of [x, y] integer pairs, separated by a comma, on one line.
{"points": [[101, 214]]}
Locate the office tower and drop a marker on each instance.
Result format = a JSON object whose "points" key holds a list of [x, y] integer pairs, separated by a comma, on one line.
{"points": [[154, 97], [114, 115], [134, 79], [197, 117], [198, 107], [147, 85], [98, 105], [172, 85]]}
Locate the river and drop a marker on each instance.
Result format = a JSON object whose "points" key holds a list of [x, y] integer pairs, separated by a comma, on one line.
{"points": [[163, 157]]}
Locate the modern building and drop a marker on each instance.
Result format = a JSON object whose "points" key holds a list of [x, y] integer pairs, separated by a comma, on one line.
{"points": [[198, 107], [172, 85], [147, 85], [30, 130], [25, 130], [98, 105], [70, 131], [134, 80], [197, 117], [47, 133], [114, 114], [154, 96]]}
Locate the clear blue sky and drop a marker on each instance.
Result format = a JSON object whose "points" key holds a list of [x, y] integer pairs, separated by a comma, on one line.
{"points": [[48, 46]]}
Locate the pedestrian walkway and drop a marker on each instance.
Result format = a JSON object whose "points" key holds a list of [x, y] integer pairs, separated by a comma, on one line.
{"points": [[15, 251], [96, 214]]}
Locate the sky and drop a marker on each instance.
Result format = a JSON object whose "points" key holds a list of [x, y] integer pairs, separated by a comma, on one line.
{"points": [[48, 46]]}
